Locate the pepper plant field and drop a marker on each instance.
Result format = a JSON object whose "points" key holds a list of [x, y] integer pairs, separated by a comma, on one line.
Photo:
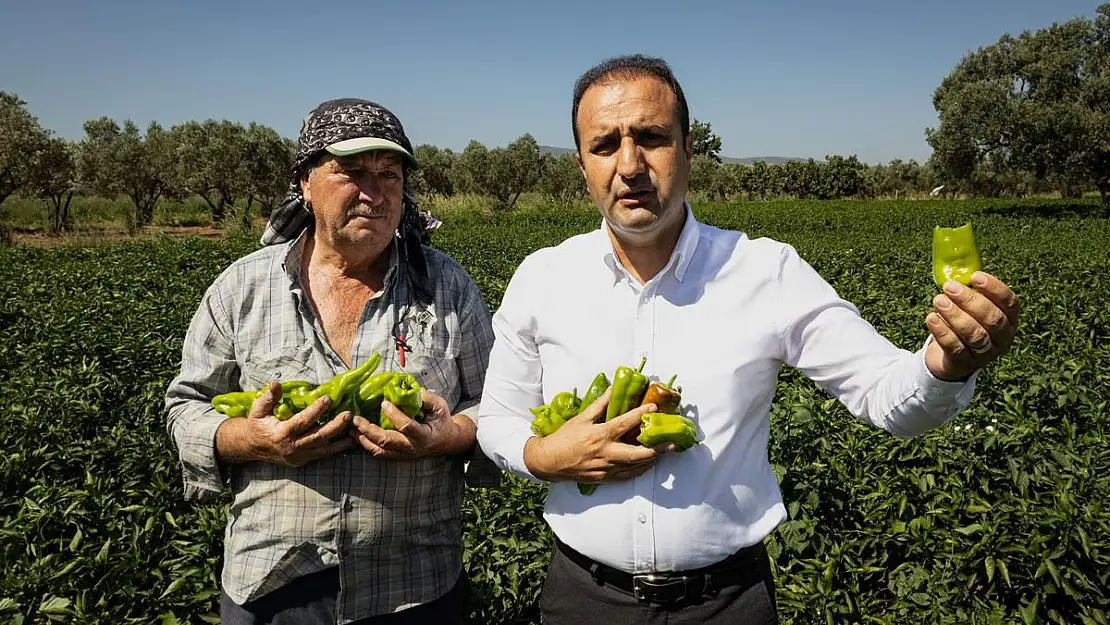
{"points": [[1002, 516]]}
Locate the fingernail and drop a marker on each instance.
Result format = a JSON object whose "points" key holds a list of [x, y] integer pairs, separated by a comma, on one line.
{"points": [[978, 279], [942, 302], [953, 287], [326, 401]]}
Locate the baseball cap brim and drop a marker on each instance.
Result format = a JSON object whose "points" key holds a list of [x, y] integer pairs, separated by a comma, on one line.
{"points": [[365, 144]]}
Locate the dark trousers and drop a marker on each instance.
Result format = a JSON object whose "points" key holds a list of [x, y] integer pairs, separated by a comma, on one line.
{"points": [[571, 596], [310, 600]]}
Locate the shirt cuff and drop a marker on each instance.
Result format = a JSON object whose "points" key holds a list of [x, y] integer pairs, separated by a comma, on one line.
{"points": [[509, 451], [938, 391], [200, 469]]}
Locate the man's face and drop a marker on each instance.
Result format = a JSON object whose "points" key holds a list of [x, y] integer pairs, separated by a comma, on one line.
{"points": [[356, 199], [632, 153]]}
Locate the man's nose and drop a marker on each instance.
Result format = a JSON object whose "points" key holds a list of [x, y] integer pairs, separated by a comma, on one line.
{"points": [[630, 159]]}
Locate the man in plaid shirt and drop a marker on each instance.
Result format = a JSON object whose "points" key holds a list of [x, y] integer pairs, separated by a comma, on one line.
{"points": [[345, 523]]}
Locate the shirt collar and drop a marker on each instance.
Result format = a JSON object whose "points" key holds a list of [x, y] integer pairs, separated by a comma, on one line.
{"points": [[680, 258], [291, 263]]}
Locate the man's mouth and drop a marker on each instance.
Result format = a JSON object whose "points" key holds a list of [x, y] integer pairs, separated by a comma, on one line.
{"points": [[636, 196]]}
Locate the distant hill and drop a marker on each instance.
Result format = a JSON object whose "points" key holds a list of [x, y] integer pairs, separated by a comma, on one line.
{"points": [[770, 160]]}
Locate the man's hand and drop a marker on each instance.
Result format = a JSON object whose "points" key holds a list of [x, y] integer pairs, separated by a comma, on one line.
{"points": [[294, 442], [440, 434], [585, 451], [971, 326]]}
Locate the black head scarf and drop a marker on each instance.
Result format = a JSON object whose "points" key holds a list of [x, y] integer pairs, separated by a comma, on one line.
{"points": [[343, 120]]}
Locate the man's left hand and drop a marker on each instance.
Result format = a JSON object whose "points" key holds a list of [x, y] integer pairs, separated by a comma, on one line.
{"points": [[440, 434], [971, 326]]}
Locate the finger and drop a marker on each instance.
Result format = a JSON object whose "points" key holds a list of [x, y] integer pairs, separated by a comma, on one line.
{"points": [[624, 455], [946, 338], [382, 438], [596, 409], [307, 418], [433, 406], [997, 292], [966, 328], [381, 447], [628, 420], [263, 405], [983, 311], [330, 449], [326, 433], [628, 472]]}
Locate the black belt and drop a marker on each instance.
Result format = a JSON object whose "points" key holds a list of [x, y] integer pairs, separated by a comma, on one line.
{"points": [[674, 586]]}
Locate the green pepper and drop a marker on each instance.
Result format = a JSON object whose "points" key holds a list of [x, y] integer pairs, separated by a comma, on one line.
{"points": [[235, 403], [403, 391], [543, 422], [371, 393], [661, 427], [293, 395], [597, 388], [955, 256], [629, 386]]}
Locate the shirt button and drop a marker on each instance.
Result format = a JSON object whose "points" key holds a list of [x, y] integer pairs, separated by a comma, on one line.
{"points": [[348, 506], [643, 518]]}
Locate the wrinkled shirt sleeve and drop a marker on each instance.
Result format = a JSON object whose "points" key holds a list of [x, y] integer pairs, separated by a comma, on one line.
{"points": [[513, 380], [825, 338], [208, 368]]}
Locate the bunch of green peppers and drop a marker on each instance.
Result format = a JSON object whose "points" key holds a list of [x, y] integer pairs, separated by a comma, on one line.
{"points": [[358, 390], [955, 256], [630, 390]]}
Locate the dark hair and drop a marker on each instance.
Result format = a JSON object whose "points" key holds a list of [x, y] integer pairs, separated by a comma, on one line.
{"points": [[629, 66]]}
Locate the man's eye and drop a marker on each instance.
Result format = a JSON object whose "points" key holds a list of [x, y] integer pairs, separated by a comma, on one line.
{"points": [[603, 147]]}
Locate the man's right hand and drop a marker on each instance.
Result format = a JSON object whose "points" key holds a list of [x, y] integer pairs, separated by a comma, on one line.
{"points": [[294, 442], [585, 451]]}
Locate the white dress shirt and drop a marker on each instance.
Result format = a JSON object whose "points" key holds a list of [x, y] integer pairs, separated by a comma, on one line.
{"points": [[724, 314]]}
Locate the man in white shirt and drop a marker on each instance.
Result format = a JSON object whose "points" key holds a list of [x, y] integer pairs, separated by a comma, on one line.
{"points": [[677, 537]]}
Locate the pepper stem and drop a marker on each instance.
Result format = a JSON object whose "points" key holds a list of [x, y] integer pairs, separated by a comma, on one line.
{"points": [[671, 383], [643, 361]]}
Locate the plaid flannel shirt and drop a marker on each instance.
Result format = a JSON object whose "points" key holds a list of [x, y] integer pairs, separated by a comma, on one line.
{"points": [[392, 527]]}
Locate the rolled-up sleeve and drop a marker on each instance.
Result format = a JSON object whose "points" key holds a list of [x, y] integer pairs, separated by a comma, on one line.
{"points": [[513, 380], [208, 368], [826, 339]]}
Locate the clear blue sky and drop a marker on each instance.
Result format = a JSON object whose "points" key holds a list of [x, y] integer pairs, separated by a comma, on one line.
{"points": [[790, 78]]}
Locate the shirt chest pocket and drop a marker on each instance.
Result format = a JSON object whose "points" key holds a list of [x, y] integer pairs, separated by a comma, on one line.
{"points": [[433, 349], [280, 364]]}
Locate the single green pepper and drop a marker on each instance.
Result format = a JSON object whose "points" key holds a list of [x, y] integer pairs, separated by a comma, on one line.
{"points": [[955, 256], [566, 404], [597, 388], [661, 427], [543, 422], [235, 403], [629, 386], [403, 391], [371, 393]]}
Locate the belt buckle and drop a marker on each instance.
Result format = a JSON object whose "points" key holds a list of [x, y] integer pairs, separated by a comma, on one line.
{"points": [[658, 588]]}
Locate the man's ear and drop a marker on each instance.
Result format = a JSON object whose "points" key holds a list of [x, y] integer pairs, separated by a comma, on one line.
{"points": [[581, 167], [689, 147], [306, 190]]}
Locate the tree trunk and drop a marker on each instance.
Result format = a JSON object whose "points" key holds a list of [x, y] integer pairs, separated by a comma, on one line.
{"points": [[1103, 183], [247, 212]]}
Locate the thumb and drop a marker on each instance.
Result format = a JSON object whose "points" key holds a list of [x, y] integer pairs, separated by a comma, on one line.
{"points": [[596, 409], [263, 405], [400, 420]]}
